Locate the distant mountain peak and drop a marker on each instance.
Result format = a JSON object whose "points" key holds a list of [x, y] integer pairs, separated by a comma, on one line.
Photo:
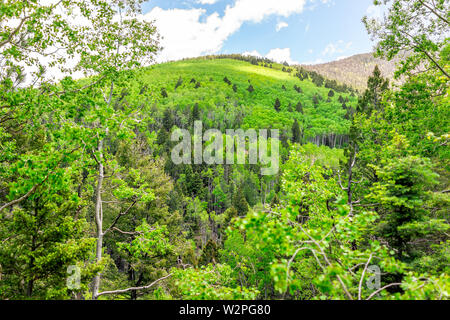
{"points": [[354, 70]]}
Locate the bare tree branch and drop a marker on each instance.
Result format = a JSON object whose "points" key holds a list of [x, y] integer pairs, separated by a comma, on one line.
{"points": [[14, 32], [292, 259], [133, 288], [118, 217], [434, 11], [362, 276], [381, 289], [126, 232]]}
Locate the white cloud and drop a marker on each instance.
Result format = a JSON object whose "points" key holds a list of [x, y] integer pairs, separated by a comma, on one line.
{"points": [[281, 55], [337, 47], [253, 53], [185, 34], [276, 54], [313, 4], [330, 49], [281, 25], [207, 1]]}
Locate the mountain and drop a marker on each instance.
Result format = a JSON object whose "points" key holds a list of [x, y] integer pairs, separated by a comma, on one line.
{"points": [[234, 93], [355, 70]]}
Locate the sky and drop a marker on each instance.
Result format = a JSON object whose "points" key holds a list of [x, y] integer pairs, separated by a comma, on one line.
{"points": [[295, 31]]}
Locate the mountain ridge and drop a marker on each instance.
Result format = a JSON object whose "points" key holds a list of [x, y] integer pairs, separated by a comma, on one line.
{"points": [[354, 70]]}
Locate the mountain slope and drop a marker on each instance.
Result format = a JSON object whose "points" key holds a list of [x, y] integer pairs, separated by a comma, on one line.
{"points": [[220, 89], [355, 70]]}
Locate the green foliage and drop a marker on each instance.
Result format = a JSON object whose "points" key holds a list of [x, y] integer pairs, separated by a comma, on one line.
{"points": [[413, 26], [150, 241], [86, 178], [209, 254], [401, 192], [210, 283], [250, 108], [240, 203]]}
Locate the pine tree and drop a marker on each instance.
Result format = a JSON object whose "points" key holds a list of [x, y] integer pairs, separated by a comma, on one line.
{"points": [[299, 107], [400, 193], [210, 253], [179, 82], [164, 93], [167, 121], [195, 113], [229, 214], [284, 139], [296, 133], [227, 81], [277, 105], [240, 203], [376, 85], [298, 89]]}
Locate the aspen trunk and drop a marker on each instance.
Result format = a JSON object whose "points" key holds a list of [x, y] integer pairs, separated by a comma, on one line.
{"points": [[99, 219]]}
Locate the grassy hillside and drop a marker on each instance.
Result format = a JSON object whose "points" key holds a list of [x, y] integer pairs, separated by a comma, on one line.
{"points": [[231, 104], [355, 70]]}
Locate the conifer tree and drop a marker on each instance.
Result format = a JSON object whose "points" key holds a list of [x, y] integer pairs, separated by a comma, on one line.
{"points": [[167, 121], [277, 105], [179, 82], [210, 253], [296, 133], [376, 85], [240, 203]]}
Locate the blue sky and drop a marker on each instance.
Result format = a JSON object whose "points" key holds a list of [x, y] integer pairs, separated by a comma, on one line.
{"points": [[296, 31]]}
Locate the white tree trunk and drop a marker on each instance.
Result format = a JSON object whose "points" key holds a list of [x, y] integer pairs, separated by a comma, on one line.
{"points": [[99, 218]]}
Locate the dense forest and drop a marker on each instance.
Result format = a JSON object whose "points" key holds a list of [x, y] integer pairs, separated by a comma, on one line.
{"points": [[92, 206]]}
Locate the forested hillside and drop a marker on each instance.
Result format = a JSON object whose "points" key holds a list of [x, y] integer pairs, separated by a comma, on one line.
{"points": [[94, 206], [230, 93]]}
